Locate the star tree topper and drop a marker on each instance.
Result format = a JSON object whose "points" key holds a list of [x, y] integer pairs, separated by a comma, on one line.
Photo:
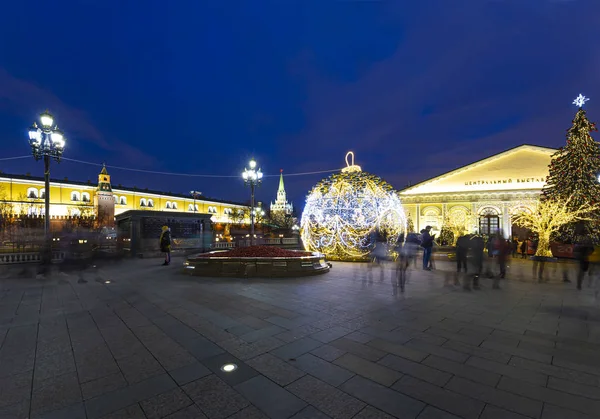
{"points": [[580, 100]]}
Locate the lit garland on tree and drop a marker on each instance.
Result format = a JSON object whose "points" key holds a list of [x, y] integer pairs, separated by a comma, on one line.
{"points": [[344, 210], [548, 217], [574, 169]]}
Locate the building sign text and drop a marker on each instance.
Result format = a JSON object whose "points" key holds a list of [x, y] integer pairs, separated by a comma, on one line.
{"points": [[506, 181]]}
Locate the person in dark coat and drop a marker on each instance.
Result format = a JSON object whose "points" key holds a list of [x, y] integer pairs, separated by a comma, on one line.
{"points": [[427, 245], [477, 246], [583, 252], [165, 244], [524, 249], [462, 248]]}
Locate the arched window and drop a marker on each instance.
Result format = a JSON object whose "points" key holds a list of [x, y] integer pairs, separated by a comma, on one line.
{"points": [[85, 197], [42, 193], [190, 207], [75, 196], [32, 193], [150, 203], [431, 217], [174, 205], [227, 211], [489, 221], [123, 200], [116, 199], [143, 202], [168, 205], [212, 210]]}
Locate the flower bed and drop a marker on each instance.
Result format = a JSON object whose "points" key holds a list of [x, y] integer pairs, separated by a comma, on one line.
{"points": [[257, 261], [257, 252]]}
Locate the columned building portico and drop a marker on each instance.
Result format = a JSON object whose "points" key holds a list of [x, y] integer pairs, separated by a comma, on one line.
{"points": [[483, 195]]}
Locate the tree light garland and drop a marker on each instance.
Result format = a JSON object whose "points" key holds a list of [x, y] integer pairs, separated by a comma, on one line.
{"points": [[344, 210]]}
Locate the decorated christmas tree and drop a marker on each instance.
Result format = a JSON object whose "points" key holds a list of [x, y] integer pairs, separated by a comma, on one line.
{"points": [[574, 168]]}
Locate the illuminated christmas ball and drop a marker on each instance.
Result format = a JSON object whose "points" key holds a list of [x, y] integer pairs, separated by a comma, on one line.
{"points": [[345, 212]]}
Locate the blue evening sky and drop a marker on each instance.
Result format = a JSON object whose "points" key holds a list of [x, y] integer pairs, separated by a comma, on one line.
{"points": [[414, 88]]}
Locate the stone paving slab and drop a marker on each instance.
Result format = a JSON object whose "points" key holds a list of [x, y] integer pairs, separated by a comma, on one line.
{"points": [[152, 344]]}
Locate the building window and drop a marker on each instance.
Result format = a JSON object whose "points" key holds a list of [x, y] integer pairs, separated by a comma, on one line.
{"points": [[143, 202], [190, 207], [431, 218], [227, 211], [116, 199], [85, 197], [212, 210], [42, 193], [174, 205], [75, 196], [123, 200], [32, 193], [489, 221], [169, 206], [150, 203]]}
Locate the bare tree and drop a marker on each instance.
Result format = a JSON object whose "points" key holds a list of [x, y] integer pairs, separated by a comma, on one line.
{"points": [[548, 216]]}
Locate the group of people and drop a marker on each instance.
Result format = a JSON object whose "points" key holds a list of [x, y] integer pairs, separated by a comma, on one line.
{"points": [[470, 260]]}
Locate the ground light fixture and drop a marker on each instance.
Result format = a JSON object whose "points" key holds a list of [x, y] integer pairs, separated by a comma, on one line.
{"points": [[228, 367]]}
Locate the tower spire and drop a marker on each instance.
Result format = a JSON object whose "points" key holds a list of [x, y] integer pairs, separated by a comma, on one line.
{"points": [[281, 204], [281, 187]]}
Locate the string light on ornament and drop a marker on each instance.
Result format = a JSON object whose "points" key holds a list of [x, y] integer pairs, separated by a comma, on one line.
{"points": [[344, 210], [580, 100]]}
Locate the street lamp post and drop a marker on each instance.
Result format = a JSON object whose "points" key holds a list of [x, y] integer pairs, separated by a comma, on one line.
{"points": [[46, 141], [195, 195], [252, 177]]}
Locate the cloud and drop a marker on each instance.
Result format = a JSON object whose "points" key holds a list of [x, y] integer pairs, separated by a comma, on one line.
{"points": [[22, 97]]}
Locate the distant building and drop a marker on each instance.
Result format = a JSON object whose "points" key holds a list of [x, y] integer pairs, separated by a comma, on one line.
{"points": [[25, 196], [485, 194], [281, 205]]}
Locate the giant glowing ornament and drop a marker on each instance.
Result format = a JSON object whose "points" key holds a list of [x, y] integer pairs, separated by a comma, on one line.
{"points": [[344, 210]]}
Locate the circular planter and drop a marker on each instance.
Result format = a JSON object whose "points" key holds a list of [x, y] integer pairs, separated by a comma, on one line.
{"points": [[211, 264]]}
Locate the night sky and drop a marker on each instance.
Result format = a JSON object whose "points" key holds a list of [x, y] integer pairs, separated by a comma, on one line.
{"points": [[414, 88]]}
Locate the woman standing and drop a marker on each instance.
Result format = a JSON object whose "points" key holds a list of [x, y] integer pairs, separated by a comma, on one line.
{"points": [[165, 244]]}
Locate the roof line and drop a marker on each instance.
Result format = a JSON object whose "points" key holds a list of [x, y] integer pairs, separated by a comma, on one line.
{"points": [[477, 162]]}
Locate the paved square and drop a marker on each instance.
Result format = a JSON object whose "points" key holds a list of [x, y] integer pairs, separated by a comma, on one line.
{"points": [[139, 340]]}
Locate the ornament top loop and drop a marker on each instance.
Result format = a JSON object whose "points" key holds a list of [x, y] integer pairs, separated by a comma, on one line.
{"points": [[350, 166]]}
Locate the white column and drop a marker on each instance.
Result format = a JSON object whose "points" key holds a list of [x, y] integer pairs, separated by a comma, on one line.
{"points": [[418, 219], [507, 227], [475, 218]]}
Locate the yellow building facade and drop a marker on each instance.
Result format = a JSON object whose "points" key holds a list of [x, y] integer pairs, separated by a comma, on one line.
{"points": [[481, 197], [24, 195]]}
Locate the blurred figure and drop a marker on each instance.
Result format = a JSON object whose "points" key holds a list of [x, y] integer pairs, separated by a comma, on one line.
{"points": [[502, 251], [514, 247], [410, 248], [165, 244], [462, 249], [476, 247], [524, 249], [427, 245], [402, 263], [378, 255], [583, 252]]}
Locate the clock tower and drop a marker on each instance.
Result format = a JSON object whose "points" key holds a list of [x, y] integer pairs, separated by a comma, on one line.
{"points": [[104, 201]]}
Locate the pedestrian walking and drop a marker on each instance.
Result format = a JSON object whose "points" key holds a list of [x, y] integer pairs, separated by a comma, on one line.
{"points": [[427, 245], [165, 244], [476, 247]]}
